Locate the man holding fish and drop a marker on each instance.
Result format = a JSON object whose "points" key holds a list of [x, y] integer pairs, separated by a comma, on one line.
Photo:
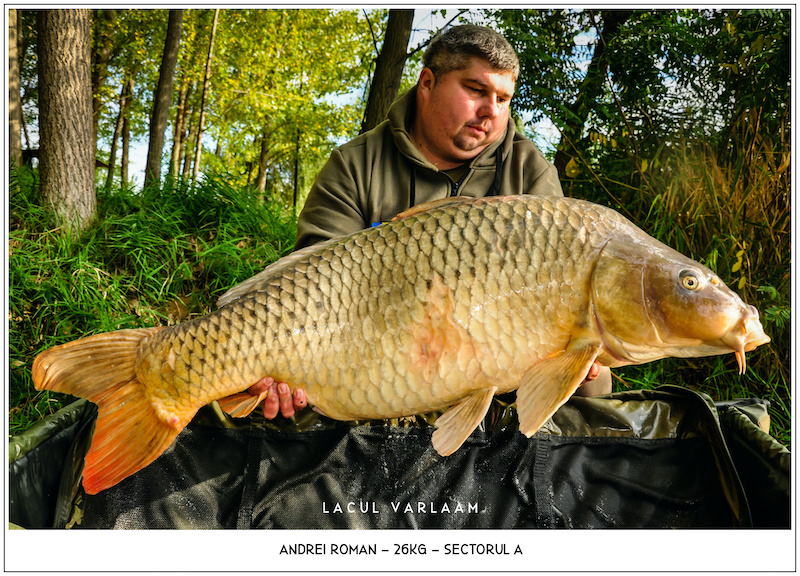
{"points": [[403, 299], [451, 135]]}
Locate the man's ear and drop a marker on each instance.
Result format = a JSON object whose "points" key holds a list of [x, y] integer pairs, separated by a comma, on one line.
{"points": [[427, 80]]}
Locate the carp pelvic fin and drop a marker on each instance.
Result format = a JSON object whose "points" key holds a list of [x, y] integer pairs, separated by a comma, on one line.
{"points": [[550, 383], [129, 432], [454, 426], [241, 404]]}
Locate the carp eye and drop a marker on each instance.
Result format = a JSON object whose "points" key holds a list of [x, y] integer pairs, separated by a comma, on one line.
{"points": [[689, 281]]}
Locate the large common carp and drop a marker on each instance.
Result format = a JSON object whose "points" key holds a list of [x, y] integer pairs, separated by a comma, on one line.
{"points": [[446, 306]]}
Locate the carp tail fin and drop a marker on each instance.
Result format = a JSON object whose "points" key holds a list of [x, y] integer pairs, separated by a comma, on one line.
{"points": [[130, 432]]}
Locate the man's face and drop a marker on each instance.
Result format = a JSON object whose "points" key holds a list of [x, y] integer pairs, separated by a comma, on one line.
{"points": [[461, 113]]}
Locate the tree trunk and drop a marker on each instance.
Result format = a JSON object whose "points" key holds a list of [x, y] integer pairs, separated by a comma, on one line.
{"points": [[296, 170], [112, 155], [206, 81], [125, 95], [187, 152], [163, 98], [66, 143], [126, 146], [179, 136], [388, 68], [102, 49], [590, 88], [14, 97], [263, 157]]}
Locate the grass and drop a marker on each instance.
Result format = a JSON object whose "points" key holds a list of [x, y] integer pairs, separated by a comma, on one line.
{"points": [[152, 258]]}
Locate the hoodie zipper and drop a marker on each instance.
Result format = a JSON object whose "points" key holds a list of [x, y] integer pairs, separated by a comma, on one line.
{"points": [[454, 186]]}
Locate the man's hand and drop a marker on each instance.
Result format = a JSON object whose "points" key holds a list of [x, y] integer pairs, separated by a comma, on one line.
{"points": [[279, 397], [597, 383]]}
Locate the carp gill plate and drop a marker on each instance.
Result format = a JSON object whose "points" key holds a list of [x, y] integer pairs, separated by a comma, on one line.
{"points": [[449, 304]]}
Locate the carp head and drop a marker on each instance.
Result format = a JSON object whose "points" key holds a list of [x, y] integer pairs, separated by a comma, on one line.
{"points": [[652, 302]]}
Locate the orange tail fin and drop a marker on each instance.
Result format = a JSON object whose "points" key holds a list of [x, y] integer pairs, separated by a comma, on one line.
{"points": [[129, 433]]}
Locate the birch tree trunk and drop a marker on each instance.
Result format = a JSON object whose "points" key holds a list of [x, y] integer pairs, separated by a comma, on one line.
{"points": [[179, 135]]}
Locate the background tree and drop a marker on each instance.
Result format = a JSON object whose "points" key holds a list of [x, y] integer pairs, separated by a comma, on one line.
{"points": [[14, 99], [124, 106], [163, 98], [590, 88], [66, 143], [204, 96], [388, 68], [278, 84], [102, 51]]}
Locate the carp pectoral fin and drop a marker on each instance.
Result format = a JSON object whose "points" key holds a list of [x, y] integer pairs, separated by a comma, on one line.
{"points": [[241, 404], [550, 383], [131, 431], [454, 426]]}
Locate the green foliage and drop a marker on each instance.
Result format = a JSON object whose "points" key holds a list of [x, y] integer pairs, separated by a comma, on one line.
{"points": [[274, 75], [153, 258]]}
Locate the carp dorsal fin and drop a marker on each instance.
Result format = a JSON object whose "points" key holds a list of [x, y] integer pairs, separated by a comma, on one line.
{"points": [[551, 382], [435, 205], [261, 279], [454, 426]]}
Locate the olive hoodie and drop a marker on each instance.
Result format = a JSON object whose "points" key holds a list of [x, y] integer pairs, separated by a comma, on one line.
{"points": [[381, 173]]}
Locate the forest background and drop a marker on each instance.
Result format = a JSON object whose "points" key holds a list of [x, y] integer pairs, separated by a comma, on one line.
{"points": [[680, 119]]}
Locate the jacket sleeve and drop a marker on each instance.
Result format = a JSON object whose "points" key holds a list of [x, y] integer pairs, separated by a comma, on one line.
{"points": [[547, 182], [536, 174], [332, 207]]}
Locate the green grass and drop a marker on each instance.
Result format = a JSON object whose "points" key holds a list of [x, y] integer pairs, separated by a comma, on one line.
{"points": [[152, 258]]}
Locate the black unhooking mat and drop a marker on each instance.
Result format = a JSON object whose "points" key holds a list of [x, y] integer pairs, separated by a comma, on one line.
{"points": [[662, 458]]}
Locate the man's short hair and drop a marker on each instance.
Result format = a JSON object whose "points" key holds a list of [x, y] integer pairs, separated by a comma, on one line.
{"points": [[452, 50]]}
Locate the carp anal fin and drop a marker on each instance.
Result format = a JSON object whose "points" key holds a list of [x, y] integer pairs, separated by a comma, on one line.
{"points": [[129, 433], [550, 383], [241, 404], [454, 426]]}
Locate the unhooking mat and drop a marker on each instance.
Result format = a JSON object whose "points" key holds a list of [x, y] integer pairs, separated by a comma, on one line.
{"points": [[667, 458]]}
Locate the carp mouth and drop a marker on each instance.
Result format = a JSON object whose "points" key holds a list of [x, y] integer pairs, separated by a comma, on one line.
{"points": [[746, 335]]}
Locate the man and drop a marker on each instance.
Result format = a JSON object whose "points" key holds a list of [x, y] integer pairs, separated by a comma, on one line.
{"points": [[449, 135]]}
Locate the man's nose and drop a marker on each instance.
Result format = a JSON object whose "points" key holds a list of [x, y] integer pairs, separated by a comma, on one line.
{"points": [[490, 107]]}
